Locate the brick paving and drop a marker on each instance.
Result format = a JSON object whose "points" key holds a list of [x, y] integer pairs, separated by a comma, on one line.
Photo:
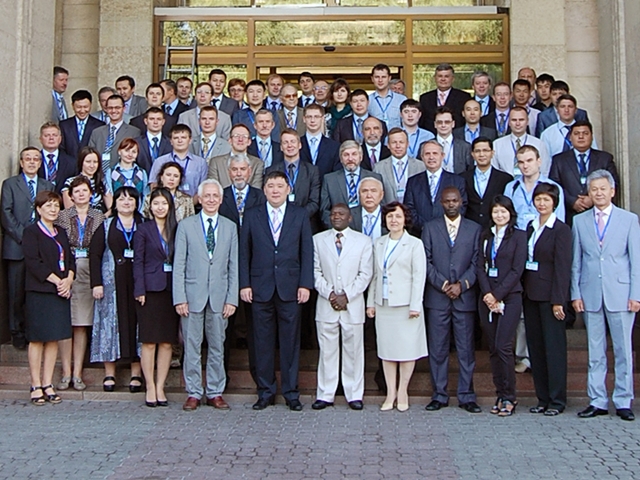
{"points": [[126, 440]]}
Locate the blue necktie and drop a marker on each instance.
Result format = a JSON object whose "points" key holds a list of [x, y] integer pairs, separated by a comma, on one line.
{"points": [[81, 129], [155, 149], [32, 189]]}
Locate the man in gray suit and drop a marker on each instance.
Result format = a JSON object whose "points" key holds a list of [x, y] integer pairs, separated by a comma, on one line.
{"points": [[18, 194], [134, 105], [240, 141], [59, 110], [396, 169], [290, 115], [104, 94], [451, 243], [457, 153], [605, 284], [204, 94], [205, 293], [208, 144], [342, 186]]}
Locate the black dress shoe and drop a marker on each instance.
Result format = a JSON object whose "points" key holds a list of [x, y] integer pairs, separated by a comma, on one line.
{"points": [[435, 405], [19, 342], [471, 407], [294, 405], [321, 405], [625, 414], [263, 403], [162, 403], [356, 405], [591, 412]]}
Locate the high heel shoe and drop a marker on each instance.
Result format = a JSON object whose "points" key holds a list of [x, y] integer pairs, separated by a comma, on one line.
{"points": [[508, 408], [386, 406], [151, 404], [497, 407]]}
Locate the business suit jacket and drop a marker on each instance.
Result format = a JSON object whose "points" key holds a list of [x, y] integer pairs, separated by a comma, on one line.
{"points": [[55, 113], [219, 170], [462, 159], [455, 263], [276, 151], [564, 171], [191, 119], [479, 209], [510, 261], [70, 141], [145, 161], [334, 190], [67, 167], [418, 198], [406, 273], [99, 115], [351, 272], [489, 121], [198, 279], [148, 261], [169, 121], [229, 209], [137, 106], [429, 102], [44, 257], [99, 137], [344, 130], [356, 221], [307, 187], [549, 116], [227, 105], [366, 158], [221, 147], [552, 281], [484, 131], [279, 269], [607, 276], [328, 159], [246, 118], [300, 127], [17, 210], [385, 169]]}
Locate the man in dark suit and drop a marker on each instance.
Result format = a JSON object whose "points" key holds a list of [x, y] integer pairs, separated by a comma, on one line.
{"points": [[276, 276], [352, 127], [172, 104], [451, 244], [498, 119], [316, 148], [342, 186], [570, 169], [56, 165], [550, 116], [154, 95], [76, 130], [134, 105], [218, 79], [18, 194], [153, 143], [443, 96], [424, 191], [481, 84], [472, 128], [457, 153], [290, 115], [483, 182], [367, 217], [373, 147], [263, 146]]}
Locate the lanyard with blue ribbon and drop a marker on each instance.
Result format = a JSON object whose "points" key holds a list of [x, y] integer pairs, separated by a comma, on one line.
{"points": [[292, 181], [494, 252], [165, 246], [52, 236], [244, 198], [369, 232], [204, 229], [402, 174], [274, 231], [202, 152], [384, 110], [604, 231], [502, 125], [412, 150], [564, 135], [471, 136], [314, 149], [82, 227], [353, 192], [477, 182], [447, 157], [388, 255], [128, 234], [357, 131]]}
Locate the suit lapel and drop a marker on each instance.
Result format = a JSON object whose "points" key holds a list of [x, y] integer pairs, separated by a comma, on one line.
{"points": [[397, 250], [200, 232], [22, 186], [264, 213]]}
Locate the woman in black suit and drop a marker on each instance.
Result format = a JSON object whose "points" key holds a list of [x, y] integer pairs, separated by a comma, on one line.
{"points": [[50, 270], [503, 253], [547, 279], [158, 321]]}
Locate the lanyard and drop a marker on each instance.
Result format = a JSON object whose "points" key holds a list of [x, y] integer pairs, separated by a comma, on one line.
{"points": [[564, 135], [128, 234], [264, 159], [202, 154], [186, 162], [583, 173], [274, 231], [292, 181], [165, 245], [316, 147], [412, 150], [387, 256], [404, 171], [50, 170], [353, 192], [477, 183], [606, 226], [436, 188], [484, 104], [513, 145], [447, 158], [293, 119], [472, 135], [502, 125], [82, 227], [235, 196], [384, 110], [204, 229], [52, 236], [356, 130], [373, 225], [252, 116], [494, 252], [524, 195]]}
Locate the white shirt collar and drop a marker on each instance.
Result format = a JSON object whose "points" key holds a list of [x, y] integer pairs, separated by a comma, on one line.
{"points": [[374, 213], [404, 159], [548, 224], [206, 217], [448, 139], [606, 211], [212, 138], [282, 208], [244, 191], [55, 153], [317, 135], [117, 125], [150, 136]]}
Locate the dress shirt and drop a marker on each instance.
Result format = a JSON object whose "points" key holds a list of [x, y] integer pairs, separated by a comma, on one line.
{"points": [[195, 170], [117, 125], [471, 135], [266, 144], [504, 157], [62, 111], [400, 175], [307, 100], [45, 164], [497, 119], [205, 225], [377, 149], [606, 211], [244, 192], [523, 201], [127, 104], [270, 102], [294, 117], [537, 232], [481, 180], [436, 178], [376, 221], [533, 119], [484, 104], [314, 146], [417, 138], [453, 225], [270, 210], [354, 126], [587, 157], [212, 142], [171, 106], [447, 146], [554, 137], [498, 236], [442, 97], [387, 109]]}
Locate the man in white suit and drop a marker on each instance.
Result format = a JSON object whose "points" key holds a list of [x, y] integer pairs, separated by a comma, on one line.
{"points": [[605, 286], [205, 293], [343, 267]]}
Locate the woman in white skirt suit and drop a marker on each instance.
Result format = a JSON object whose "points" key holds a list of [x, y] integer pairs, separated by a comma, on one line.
{"points": [[395, 299]]}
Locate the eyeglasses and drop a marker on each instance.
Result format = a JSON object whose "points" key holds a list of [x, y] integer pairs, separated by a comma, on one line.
{"points": [[239, 136], [444, 122], [292, 95], [483, 150], [320, 89]]}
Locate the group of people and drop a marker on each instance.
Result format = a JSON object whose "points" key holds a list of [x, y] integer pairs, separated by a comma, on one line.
{"points": [[188, 208]]}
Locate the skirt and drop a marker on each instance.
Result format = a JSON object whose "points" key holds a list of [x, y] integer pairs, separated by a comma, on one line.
{"points": [[48, 317], [400, 338], [158, 321], [82, 296]]}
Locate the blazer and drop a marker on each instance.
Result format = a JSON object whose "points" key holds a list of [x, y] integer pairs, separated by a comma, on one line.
{"points": [[145, 160], [552, 281], [148, 261], [462, 159], [227, 105], [479, 209], [301, 128], [344, 130], [246, 116], [356, 221], [452, 263], [67, 168], [510, 261], [334, 190], [191, 119], [219, 170], [385, 169], [137, 106], [101, 114], [169, 122], [564, 171], [220, 147], [418, 198], [549, 116], [328, 159], [229, 209], [179, 110], [70, 141], [483, 131], [307, 187], [349, 272], [276, 151], [406, 273], [429, 102], [198, 279], [608, 275], [43, 259], [55, 112], [489, 121], [99, 137], [366, 158], [281, 269], [17, 213]]}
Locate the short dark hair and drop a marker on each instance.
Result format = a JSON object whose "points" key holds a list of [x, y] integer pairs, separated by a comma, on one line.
{"points": [[57, 70], [240, 125], [289, 131], [81, 95], [381, 66], [566, 96], [410, 103], [166, 166], [169, 84], [45, 197], [77, 181], [395, 130], [127, 144], [125, 191], [358, 92], [153, 85], [98, 176], [126, 78], [582, 123], [482, 140], [441, 110], [115, 96], [255, 82], [545, 77], [209, 108], [522, 82], [180, 127], [443, 67], [306, 75], [204, 84], [560, 85], [274, 174], [217, 71], [313, 106], [544, 188], [390, 207], [152, 110]]}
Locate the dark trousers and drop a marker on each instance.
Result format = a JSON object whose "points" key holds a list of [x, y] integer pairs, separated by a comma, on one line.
{"points": [[439, 334], [547, 341], [277, 317], [15, 281], [500, 332]]}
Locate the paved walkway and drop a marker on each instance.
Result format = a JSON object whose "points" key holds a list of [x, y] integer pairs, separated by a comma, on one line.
{"points": [[126, 440]]}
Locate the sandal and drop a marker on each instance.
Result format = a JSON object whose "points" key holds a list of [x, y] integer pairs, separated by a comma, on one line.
{"points": [[538, 409], [64, 384], [552, 412], [508, 408], [78, 384], [135, 388], [37, 401], [53, 397], [496, 408], [109, 387]]}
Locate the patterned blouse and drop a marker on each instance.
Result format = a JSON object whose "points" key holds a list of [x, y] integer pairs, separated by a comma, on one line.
{"points": [[70, 222], [183, 203]]}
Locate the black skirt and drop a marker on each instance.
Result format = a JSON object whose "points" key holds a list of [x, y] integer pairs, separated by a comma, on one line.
{"points": [[48, 317], [158, 321]]}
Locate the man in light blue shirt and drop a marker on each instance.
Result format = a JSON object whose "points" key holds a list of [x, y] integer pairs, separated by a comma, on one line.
{"points": [[410, 114], [557, 136], [383, 103]]}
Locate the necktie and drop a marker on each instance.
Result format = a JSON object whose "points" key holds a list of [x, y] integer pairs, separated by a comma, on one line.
{"points": [[290, 120], [155, 149], [314, 150], [432, 186], [167, 109], [453, 231], [104, 117], [353, 194], [292, 172], [502, 124], [63, 111], [339, 236], [368, 226], [214, 102], [307, 101], [481, 102], [583, 165], [263, 150], [400, 178], [372, 157], [442, 96], [359, 129], [126, 107], [274, 105], [211, 237], [81, 129], [106, 164], [32, 189], [240, 205], [600, 216], [51, 168], [275, 225], [518, 144], [205, 147], [567, 139]]}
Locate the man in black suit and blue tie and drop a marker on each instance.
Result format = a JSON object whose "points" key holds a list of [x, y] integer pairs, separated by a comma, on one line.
{"points": [[322, 151], [76, 130], [276, 277], [57, 165]]}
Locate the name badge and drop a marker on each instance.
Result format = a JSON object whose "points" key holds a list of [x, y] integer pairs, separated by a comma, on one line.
{"points": [[61, 265], [533, 266], [184, 187], [106, 157], [400, 192], [128, 253], [385, 118], [81, 253], [385, 280], [167, 267], [292, 197], [353, 204], [583, 180], [493, 272]]}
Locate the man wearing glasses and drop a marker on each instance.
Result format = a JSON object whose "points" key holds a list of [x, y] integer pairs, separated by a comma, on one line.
{"points": [[240, 141]]}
